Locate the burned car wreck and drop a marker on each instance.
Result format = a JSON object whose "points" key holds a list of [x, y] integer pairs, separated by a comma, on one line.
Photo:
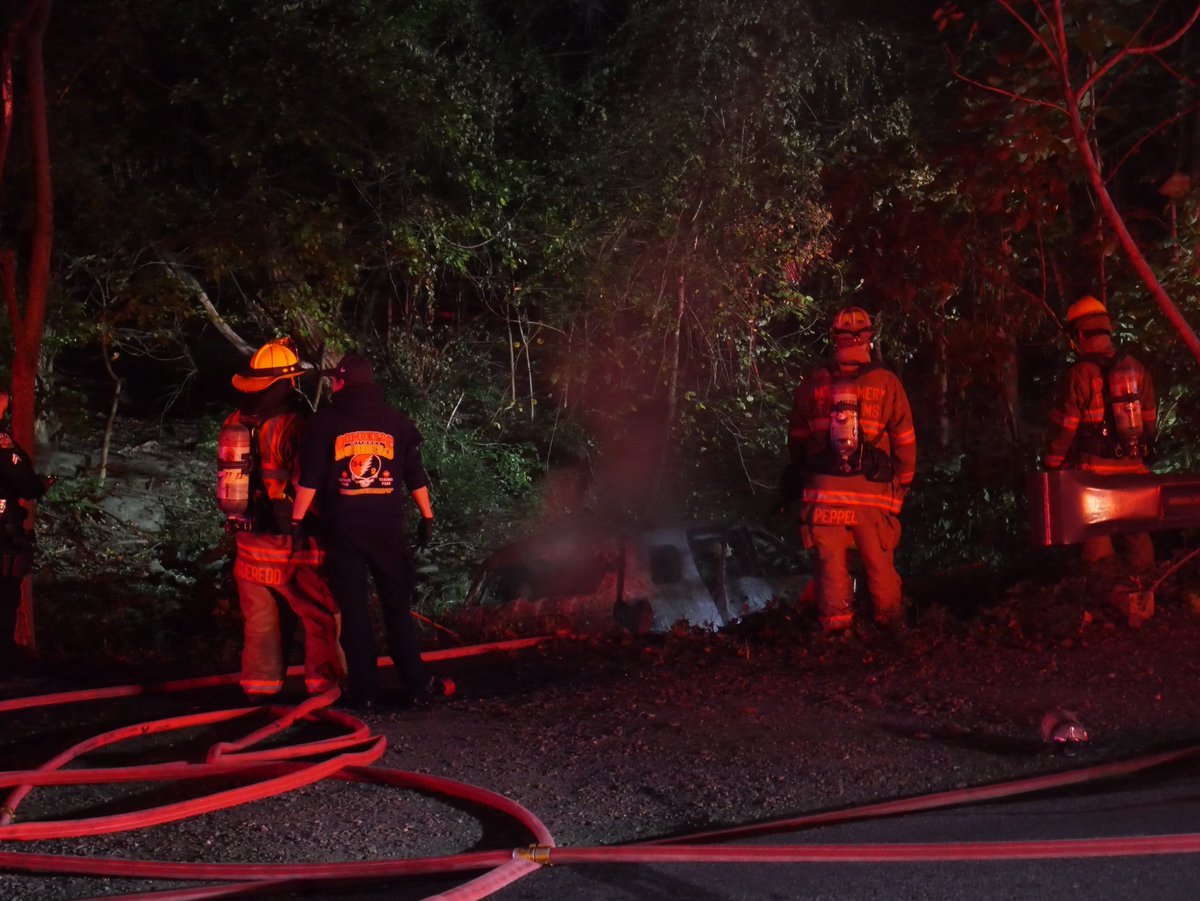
{"points": [[587, 578]]}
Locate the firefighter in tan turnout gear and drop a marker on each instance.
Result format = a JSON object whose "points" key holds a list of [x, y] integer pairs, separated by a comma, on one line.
{"points": [[1104, 421], [258, 452], [851, 435]]}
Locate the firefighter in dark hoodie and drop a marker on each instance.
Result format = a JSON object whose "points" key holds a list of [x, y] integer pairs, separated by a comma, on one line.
{"points": [[851, 439], [360, 461], [18, 482], [277, 583], [1104, 421]]}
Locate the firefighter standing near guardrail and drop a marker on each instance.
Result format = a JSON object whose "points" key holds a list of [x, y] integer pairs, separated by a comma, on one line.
{"points": [[1104, 421], [851, 436], [258, 450]]}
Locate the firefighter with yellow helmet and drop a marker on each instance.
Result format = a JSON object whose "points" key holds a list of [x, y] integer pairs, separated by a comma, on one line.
{"points": [[1104, 420], [258, 468], [851, 436]]}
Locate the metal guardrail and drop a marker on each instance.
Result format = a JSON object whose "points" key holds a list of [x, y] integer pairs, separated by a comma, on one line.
{"points": [[1069, 506]]}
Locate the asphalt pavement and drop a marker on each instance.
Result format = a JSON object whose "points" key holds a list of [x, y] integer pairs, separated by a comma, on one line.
{"points": [[1150, 804]]}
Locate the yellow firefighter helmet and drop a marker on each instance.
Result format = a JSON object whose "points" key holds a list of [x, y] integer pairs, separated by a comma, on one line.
{"points": [[273, 361]]}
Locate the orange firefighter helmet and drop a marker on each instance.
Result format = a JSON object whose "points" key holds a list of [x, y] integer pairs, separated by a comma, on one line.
{"points": [[851, 321], [1084, 309], [273, 361]]}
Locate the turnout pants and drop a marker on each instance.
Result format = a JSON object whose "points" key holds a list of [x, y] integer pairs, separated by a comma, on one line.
{"points": [[876, 534], [1136, 551], [16, 561], [383, 555], [267, 576], [10, 603]]}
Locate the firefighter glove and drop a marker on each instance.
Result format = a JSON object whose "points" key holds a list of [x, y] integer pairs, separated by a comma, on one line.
{"points": [[281, 516], [791, 486], [877, 466], [424, 532], [1150, 450], [299, 535], [791, 483]]}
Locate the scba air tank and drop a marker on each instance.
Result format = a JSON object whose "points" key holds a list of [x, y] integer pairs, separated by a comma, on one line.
{"points": [[1126, 411], [233, 469], [843, 423]]}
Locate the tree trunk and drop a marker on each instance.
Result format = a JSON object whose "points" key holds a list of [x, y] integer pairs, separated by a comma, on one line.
{"points": [[110, 422], [672, 402], [1009, 377], [24, 38], [942, 370]]}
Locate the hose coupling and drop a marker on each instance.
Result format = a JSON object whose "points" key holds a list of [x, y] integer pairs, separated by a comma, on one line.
{"points": [[539, 854]]}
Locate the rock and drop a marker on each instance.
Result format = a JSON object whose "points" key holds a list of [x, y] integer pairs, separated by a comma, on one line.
{"points": [[139, 510], [1134, 601], [1063, 731]]}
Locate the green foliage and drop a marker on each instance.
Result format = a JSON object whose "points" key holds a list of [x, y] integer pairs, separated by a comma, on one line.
{"points": [[482, 459], [546, 219], [708, 173], [335, 170], [477, 478], [73, 497], [315, 165], [955, 517]]}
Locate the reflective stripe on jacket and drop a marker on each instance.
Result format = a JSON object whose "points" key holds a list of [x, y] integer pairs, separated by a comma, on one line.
{"points": [[1079, 403], [850, 491]]}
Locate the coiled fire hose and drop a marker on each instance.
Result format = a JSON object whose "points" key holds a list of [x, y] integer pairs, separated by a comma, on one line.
{"points": [[350, 755]]}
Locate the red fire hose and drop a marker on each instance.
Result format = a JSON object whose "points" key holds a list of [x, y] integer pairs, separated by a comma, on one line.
{"points": [[348, 756], [129, 691]]}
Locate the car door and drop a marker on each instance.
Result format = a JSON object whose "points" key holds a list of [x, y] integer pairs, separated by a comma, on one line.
{"points": [[668, 580], [756, 568]]}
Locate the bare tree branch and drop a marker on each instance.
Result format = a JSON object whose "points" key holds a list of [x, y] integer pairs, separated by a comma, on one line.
{"points": [[1009, 95], [1028, 26], [1091, 164], [1130, 50], [1149, 134], [1162, 45], [189, 282]]}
